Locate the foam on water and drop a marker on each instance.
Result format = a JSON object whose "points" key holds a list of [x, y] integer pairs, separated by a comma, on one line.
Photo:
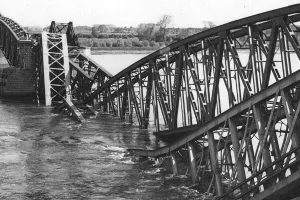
{"points": [[7, 128], [8, 138], [155, 171], [114, 148], [10, 157]]}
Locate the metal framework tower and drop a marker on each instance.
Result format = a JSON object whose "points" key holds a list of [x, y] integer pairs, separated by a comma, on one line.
{"points": [[56, 68]]}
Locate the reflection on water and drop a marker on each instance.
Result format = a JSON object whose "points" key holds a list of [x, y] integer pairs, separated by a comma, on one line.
{"points": [[44, 155]]}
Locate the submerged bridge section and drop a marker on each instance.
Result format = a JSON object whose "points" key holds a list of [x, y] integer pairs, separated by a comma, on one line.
{"points": [[225, 99]]}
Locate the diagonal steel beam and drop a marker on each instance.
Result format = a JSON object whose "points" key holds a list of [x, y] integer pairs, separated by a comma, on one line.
{"points": [[271, 52]]}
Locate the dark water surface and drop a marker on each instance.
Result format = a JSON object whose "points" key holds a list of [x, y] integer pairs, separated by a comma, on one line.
{"points": [[45, 155]]}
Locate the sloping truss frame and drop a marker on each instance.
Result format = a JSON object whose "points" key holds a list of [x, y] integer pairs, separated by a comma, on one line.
{"points": [[244, 115], [11, 35], [86, 76], [56, 68]]}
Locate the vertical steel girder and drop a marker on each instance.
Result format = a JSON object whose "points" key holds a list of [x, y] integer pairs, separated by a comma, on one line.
{"points": [[56, 68], [148, 99]]}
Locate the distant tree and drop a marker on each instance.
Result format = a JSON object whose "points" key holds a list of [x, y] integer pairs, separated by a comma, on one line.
{"points": [[103, 28], [145, 31], [86, 42], [102, 44], [95, 32], [137, 43], [120, 43], [145, 43], [95, 44], [164, 21], [108, 43], [207, 25], [153, 44], [127, 43]]}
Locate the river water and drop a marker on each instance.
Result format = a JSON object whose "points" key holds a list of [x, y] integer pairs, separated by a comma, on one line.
{"points": [[46, 155]]}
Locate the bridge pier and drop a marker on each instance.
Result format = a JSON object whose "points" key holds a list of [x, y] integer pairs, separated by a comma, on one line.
{"points": [[174, 163], [214, 163], [56, 68], [192, 159], [236, 148]]}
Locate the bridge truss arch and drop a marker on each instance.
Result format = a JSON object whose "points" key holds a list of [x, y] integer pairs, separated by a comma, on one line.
{"points": [[11, 35], [228, 97]]}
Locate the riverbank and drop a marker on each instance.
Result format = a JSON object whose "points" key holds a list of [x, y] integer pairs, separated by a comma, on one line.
{"points": [[122, 50]]}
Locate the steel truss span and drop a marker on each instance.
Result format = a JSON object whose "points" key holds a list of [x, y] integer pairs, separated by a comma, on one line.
{"points": [[228, 99], [11, 35]]}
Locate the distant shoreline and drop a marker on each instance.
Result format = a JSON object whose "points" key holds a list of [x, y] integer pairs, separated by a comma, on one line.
{"points": [[122, 50]]}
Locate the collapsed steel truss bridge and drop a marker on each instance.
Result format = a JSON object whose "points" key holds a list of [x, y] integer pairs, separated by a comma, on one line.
{"points": [[228, 98]]}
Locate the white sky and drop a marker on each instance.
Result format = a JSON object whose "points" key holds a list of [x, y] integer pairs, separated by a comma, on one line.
{"points": [[185, 13]]}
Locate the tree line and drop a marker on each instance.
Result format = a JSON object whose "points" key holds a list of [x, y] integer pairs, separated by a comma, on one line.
{"points": [[149, 35]]}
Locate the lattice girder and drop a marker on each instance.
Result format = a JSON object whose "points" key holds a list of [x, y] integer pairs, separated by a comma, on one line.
{"points": [[56, 68], [244, 77], [11, 35]]}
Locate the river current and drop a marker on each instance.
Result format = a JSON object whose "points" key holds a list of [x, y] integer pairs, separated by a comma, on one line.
{"points": [[47, 155]]}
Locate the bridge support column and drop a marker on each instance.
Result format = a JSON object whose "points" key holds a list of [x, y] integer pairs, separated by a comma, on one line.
{"points": [[129, 102], [229, 160], [174, 163], [192, 161], [236, 148], [261, 126], [56, 68], [214, 162]]}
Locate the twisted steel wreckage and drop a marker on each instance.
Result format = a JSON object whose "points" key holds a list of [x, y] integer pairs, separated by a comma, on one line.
{"points": [[234, 117]]}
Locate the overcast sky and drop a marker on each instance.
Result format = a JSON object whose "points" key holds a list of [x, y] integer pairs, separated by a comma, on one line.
{"points": [[185, 13]]}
